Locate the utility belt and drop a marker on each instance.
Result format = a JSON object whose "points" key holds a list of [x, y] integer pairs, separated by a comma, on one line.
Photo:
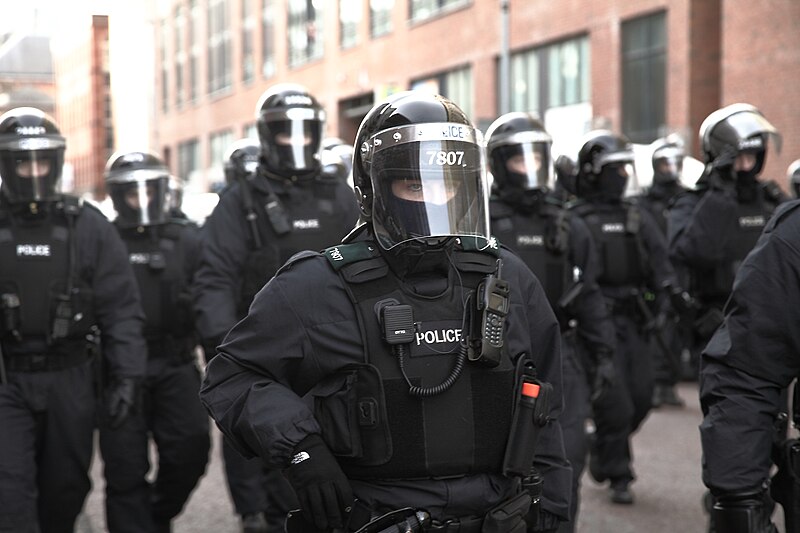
{"points": [[509, 516], [46, 362]]}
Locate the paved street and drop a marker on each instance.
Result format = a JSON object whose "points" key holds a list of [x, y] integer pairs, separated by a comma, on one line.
{"points": [[668, 490]]}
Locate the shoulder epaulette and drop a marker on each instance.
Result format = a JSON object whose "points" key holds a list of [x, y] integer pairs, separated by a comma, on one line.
{"points": [[480, 244], [344, 254]]}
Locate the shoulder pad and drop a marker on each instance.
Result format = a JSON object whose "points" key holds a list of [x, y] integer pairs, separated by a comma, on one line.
{"points": [[345, 254], [781, 213], [499, 209]]}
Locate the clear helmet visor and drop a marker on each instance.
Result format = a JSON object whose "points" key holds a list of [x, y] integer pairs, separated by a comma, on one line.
{"points": [[31, 175], [143, 200], [428, 180], [293, 139]]}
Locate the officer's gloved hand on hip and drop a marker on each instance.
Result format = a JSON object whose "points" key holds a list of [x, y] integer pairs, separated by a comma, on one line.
{"points": [[322, 488], [122, 398], [604, 375]]}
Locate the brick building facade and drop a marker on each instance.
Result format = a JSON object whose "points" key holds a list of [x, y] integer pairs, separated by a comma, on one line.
{"points": [[643, 67]]}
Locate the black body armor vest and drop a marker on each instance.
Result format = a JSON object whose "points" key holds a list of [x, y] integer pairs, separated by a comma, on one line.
{"points": [[158, 259], [304, 218], [714, 285], [615, 229], [36, 268], [458, 432], [541, 240]]}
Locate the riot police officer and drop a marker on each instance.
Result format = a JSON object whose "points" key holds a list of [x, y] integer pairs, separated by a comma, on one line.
{"points": [[241, 160], [793, 178], [559, 249], [745, 369], [635, 265], [713, 227], [377, 371], [260, 222], [667, 161], [65, 285], [337, 159], [163, 252]]}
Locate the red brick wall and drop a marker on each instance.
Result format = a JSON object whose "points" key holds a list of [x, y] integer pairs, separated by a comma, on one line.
{"points": [[761, 66]]}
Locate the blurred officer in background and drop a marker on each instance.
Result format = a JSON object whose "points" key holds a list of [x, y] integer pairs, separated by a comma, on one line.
{"points": [[558, 247], [390, 327], [667, 160], [793, 178], [634, 268], [241, 161], [566, 174], [65, 286], [287, 206], [714, 226], [744, 373], [163, 252], [337, 159]]}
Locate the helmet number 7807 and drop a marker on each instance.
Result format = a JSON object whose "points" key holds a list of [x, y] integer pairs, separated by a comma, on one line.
{"points": [[442, 158]]}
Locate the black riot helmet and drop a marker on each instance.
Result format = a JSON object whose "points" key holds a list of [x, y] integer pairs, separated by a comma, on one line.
{"points": [[605, 163], [241, 160], [668, 156], [793, 177], [139, 184], [735, 130], [566, 175], [31, 155], [518, 149], [290, 127], [419, 171]]}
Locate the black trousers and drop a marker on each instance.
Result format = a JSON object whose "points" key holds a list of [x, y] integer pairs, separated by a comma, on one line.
{"points": [[173, 415], [256, 489], [619, 412], [46, 431]]}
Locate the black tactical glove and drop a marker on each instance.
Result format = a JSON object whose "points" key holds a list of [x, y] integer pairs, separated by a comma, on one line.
{"points": [[322, 488], [743, 512], [122, 399], [603, 376]]}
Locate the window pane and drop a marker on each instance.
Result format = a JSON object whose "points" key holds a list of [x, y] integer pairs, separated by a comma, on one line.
{"points": [[268, 42], [349, 19], [380, 17], [304, 27], [644, 77], [219, 46]]}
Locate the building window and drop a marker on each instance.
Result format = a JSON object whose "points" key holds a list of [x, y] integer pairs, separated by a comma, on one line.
{"points": [[349, 19], [304, 31], [189, 159], [164, 67], [219, 46], [380, 17], [218, 144], [644, 58], [268, 38], [248, 45], [425, 9], [251, 131], [180, 53], [455, 85], [550, 76], [195, 39]]}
